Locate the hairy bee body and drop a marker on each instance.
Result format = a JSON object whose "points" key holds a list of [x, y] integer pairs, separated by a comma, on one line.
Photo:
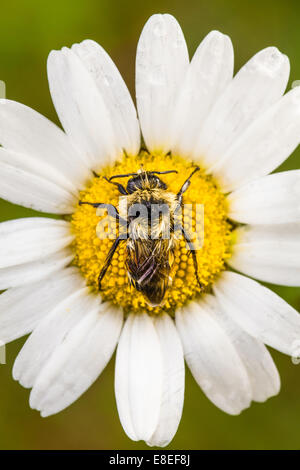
{"points": [[151, 241]]}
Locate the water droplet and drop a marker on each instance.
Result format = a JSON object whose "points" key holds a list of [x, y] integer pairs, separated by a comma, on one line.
{"points": [[207, 385], [108, 80], [268, 62], [159, 29], [179, 42]]}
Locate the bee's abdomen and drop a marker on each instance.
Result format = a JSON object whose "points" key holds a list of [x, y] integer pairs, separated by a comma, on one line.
{"points": [[149, 269]]}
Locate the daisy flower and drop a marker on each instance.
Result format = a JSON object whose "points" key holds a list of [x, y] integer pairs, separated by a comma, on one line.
{"points": [[237, 130]]}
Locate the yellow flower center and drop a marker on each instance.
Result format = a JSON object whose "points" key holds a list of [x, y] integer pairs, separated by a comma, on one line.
{"points": [[91, 251]]}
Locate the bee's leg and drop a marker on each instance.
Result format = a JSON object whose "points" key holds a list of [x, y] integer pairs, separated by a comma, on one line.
{"points": [[109, 207], [185, 185], [120, 187], [192, 252], [108, 260], [112, 210]]}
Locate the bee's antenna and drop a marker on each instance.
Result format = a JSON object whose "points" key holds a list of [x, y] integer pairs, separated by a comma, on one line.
{"points": [[163, 172], [122, 176], [142, 170]]}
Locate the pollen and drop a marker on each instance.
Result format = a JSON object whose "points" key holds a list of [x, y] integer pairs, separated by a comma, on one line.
{"points": [[213, 239]]}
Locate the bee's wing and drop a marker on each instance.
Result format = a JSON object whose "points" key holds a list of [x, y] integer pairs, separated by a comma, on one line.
{"points": [[149, 268]]}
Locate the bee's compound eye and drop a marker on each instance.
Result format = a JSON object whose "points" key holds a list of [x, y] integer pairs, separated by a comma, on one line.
{"points": [[130, 186]]}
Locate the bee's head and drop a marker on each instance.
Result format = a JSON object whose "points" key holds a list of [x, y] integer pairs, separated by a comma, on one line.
{"points": [[145, 180], [142, 180]]}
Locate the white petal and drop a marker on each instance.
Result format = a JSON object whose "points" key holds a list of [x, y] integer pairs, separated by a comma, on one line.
{"points": [[262, 372], [23, 274], [32, 238], [78, 361], [138, 377], [114, 93], [270, 253], [173, 382], [81, 108], [259, 311], [214, 362], [161, 63], [208, 74], [258, 85], [50, 333], [26, 164], [273, 199], [31, 135], [264, 146], [22, 308], [25, 188], [123, 379]]}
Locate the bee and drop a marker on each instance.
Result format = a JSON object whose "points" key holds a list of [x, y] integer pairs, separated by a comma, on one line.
{"points": [[149, 252]]}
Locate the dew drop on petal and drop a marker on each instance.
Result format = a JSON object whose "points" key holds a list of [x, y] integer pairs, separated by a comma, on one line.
{"points": [[159, 29]]}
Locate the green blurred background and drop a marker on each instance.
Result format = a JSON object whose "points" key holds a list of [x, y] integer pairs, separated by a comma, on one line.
{"points": [[28, 31]]}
